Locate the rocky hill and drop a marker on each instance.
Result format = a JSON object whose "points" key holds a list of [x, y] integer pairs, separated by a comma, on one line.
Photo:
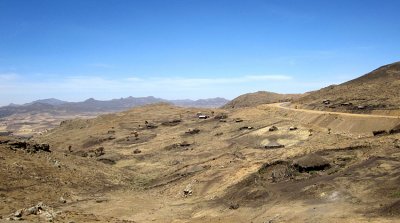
{"points": [[375, 91], [161, 163], [258, 98]]}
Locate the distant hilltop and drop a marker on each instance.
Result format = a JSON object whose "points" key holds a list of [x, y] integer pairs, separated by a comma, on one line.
{"points": [[376, 91]]}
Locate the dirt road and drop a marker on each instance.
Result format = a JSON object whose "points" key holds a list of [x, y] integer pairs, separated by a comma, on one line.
{"points": [[286, 106]]}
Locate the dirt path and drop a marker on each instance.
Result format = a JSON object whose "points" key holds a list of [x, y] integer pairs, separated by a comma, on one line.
{"points": [[286, 106]]}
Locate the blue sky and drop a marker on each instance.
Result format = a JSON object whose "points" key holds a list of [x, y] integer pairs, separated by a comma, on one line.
{"points": [[76, 49]]}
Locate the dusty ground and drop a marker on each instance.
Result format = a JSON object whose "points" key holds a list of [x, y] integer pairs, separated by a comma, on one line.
{"points": [[29, 124], [117, 168]]}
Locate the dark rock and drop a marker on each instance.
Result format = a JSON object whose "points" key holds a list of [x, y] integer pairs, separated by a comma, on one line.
{"points": [[107, 161], [173, 122], [151, 125], [184, 144], [192, 131], [137, 151], [81, 153], [273, 128], [221, 116], [233, 206], [395, 130], [245, 128], [238, 120], [396, 143], [18, 213], [29, 147], [379, 132]]}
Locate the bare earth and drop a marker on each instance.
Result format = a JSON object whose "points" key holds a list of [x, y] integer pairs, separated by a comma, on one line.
{"points": [[331, 168]]}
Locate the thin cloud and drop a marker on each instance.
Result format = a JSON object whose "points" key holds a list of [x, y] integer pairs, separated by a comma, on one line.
{"points": [[23, 88], [93, 83], [101, 65], [8, 76]]}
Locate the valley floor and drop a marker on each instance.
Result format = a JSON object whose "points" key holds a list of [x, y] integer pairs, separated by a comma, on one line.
{"points": [[161, 163]]}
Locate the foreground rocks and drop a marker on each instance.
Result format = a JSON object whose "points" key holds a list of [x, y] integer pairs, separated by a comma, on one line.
{"points": [[44, 211], [30, 147]]}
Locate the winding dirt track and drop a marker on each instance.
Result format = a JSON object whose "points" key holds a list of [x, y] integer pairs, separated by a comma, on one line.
{"points": [[286, 106]]}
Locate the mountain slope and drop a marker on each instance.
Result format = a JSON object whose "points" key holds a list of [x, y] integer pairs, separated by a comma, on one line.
{"points": [[94, 106], [49, 101], [377, 90], [257, 98]]}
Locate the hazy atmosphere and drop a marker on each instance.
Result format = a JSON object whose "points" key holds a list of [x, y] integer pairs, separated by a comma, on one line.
{"points": [[200, 111], [175, 49]]}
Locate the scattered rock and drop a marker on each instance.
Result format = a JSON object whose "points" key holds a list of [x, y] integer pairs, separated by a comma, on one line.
{"points": [[395, 130], [81, 153], [292, 128], [396, 143], [379, 132], [101, 200], [18, 213], [221, 116], [57, 164], [137, 151], [178, 145], [62, 200], [175, 162], [188, 190], [184, 144], [32, 210], [245, 127], [233, 206], [273, 128], [192, 131], [96, 153], [29, 147], [150, 125], [173, 122], [107, 161], [238, 120]]}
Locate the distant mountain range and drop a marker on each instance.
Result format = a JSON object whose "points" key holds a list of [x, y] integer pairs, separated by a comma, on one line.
{"points": [[91, 105]]}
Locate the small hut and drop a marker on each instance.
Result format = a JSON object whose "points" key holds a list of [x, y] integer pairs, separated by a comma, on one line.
{"points": [[273, 145]]}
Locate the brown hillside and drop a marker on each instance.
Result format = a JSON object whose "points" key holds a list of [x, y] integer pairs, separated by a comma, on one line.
{"points": [[162, 163], [258, 98], [375, 91]]}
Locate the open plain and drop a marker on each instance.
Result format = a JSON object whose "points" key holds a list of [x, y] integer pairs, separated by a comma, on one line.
{"points": [[161, 163]]}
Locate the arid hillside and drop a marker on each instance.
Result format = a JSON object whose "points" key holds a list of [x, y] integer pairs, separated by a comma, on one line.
{"points": [[377, 91], [161, 163], [258, 98]]}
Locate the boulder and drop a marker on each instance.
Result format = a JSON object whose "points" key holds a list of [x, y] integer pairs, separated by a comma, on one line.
{"points": [[273, 128], [192, 131], [379, 132]]}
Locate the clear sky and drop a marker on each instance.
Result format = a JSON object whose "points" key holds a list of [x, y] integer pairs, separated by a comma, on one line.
{"points": [[174, 49]]}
